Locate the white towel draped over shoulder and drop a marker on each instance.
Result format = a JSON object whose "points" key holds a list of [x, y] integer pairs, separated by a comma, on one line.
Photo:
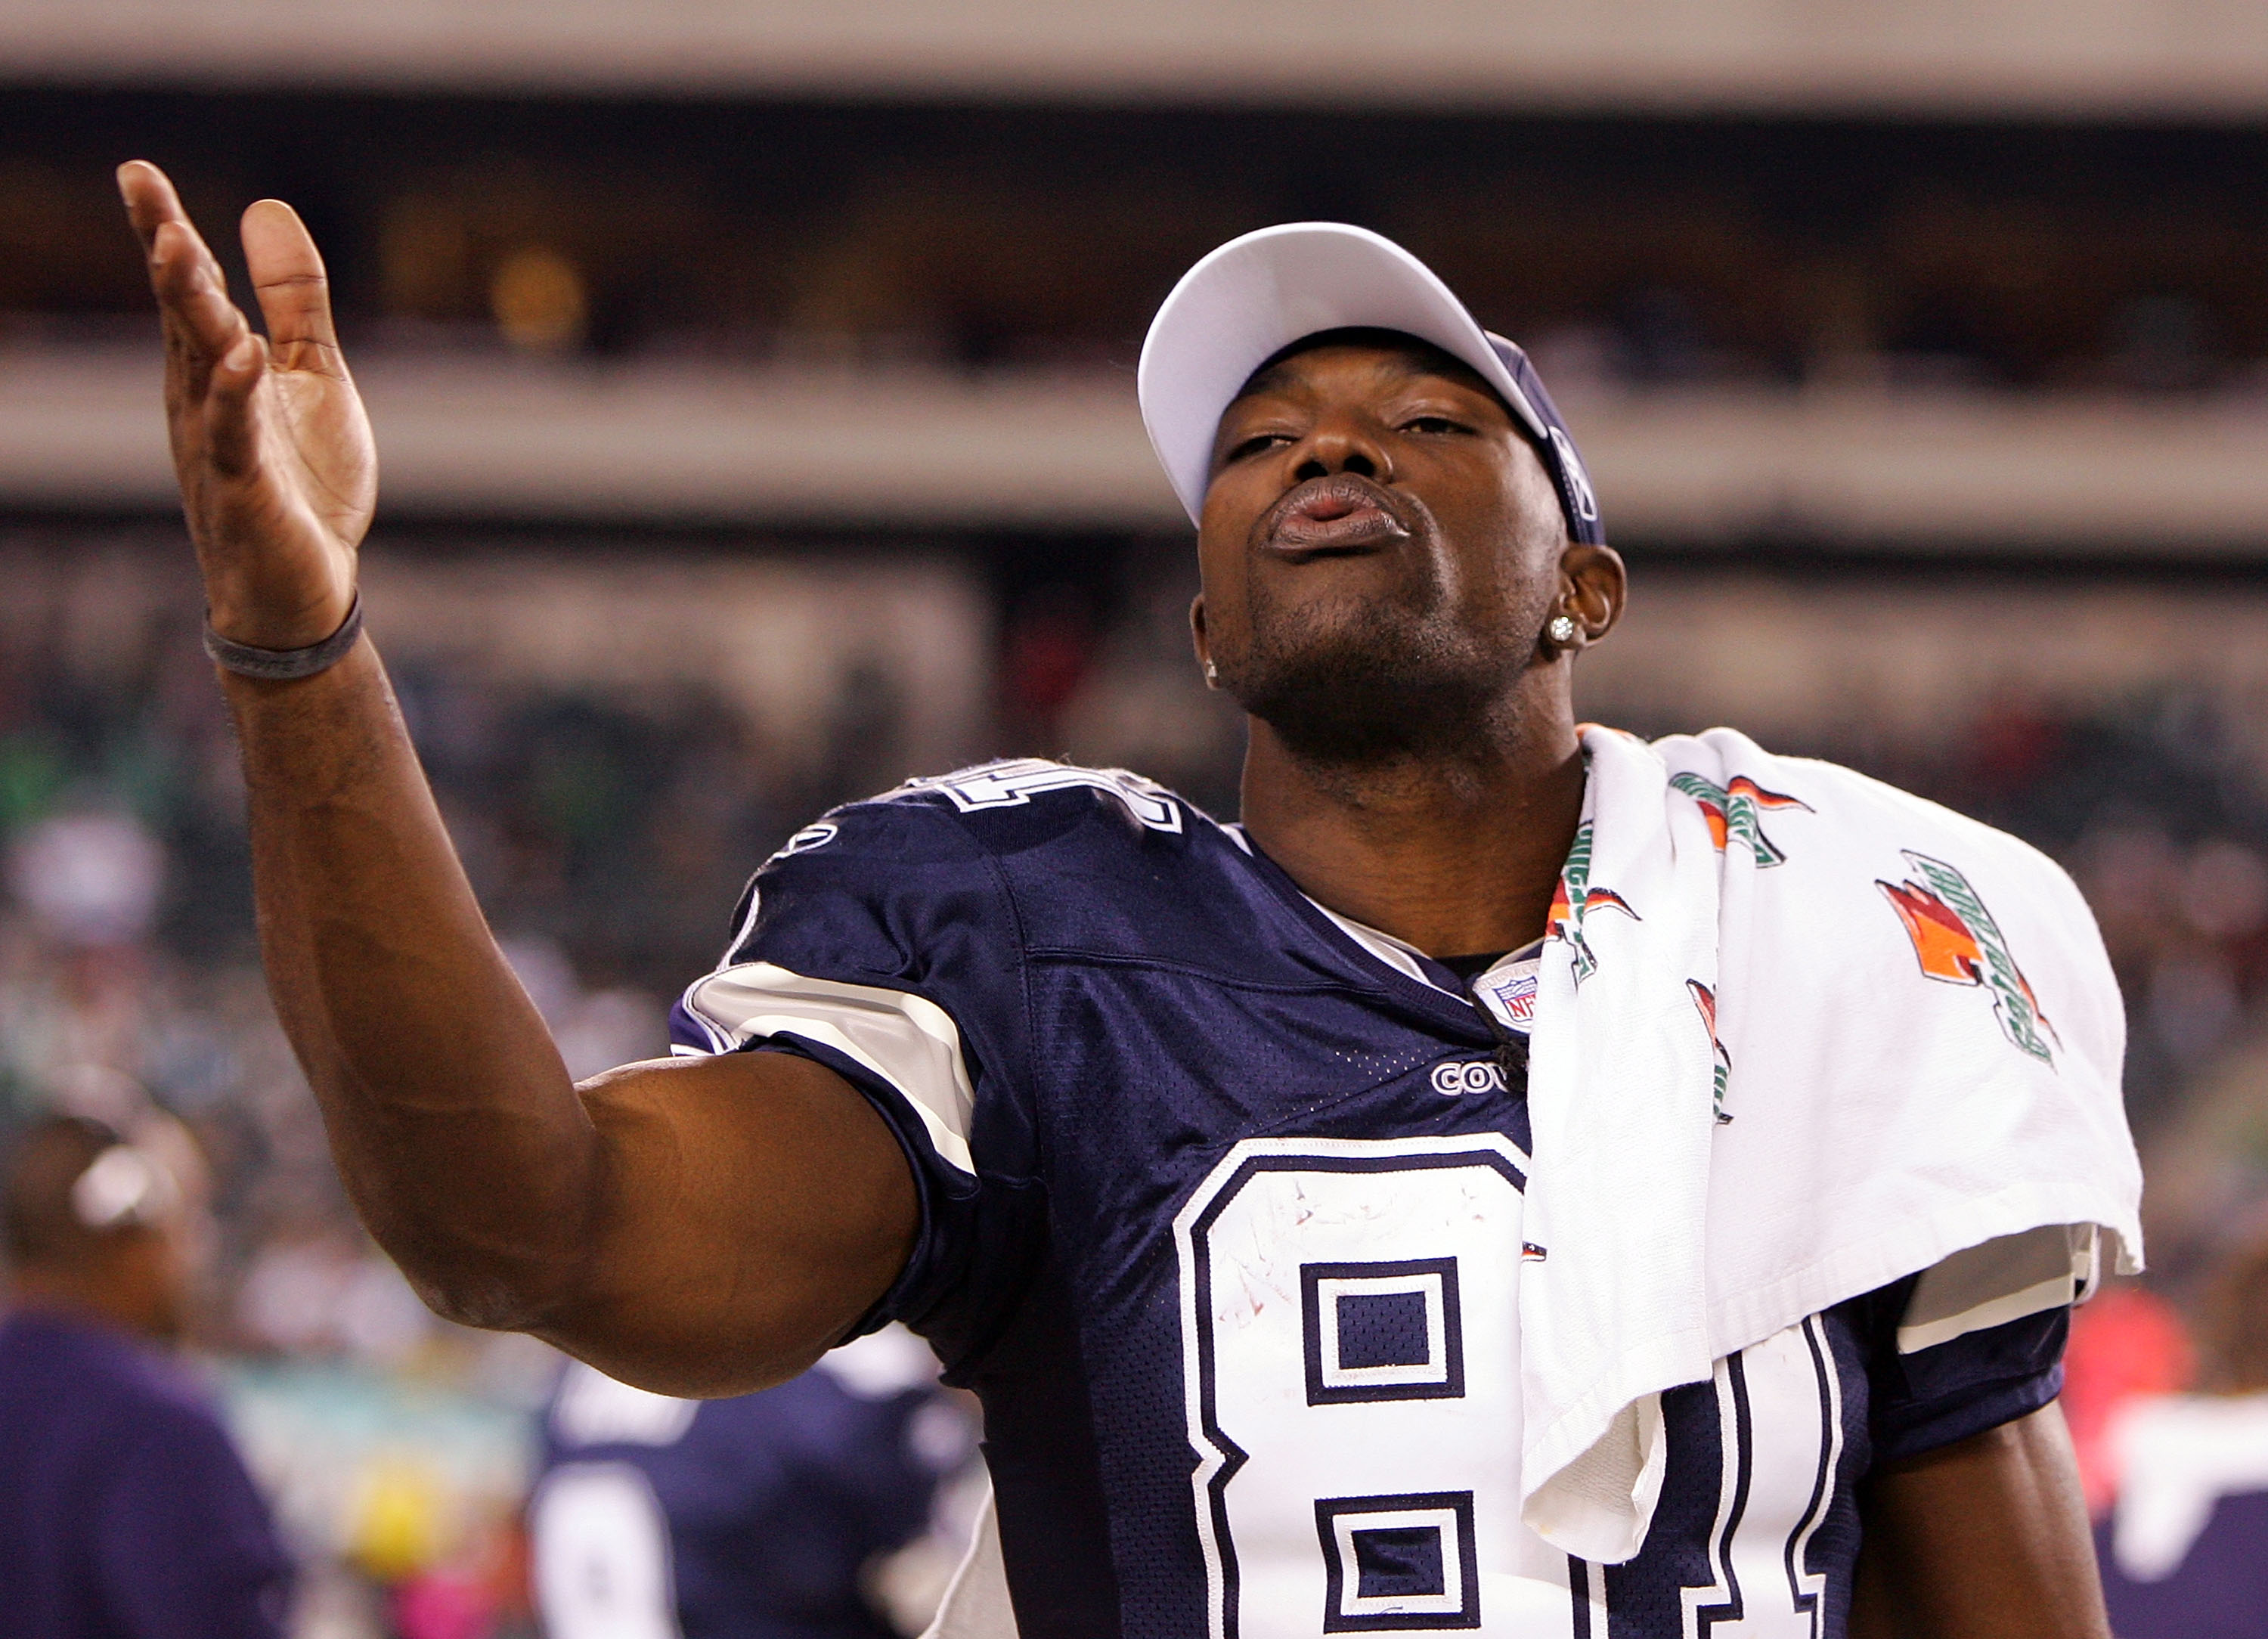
{"points": [[1797, 1034]]}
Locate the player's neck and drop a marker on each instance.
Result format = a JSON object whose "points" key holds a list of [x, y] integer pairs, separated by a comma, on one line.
{"points": [[1454, 852]]}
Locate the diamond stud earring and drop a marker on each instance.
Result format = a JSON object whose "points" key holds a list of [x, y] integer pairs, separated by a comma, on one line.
{"points": [[1562, 629], [1213, 675]]}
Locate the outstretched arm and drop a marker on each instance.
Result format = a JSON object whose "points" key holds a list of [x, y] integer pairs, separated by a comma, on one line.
{"points": [[703, 1226], [1984, 1538]]}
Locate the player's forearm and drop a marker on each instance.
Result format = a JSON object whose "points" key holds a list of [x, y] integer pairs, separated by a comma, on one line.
{"points": [[455, 1126]]}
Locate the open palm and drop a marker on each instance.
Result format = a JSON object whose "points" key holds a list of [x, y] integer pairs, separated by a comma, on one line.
{"points": [[277, 468]]}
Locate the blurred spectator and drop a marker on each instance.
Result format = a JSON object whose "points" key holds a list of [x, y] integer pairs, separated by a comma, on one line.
{"points": [[128, 1511], [2185, 1551], [595, 1030], [91, 879], [767, 1517], [327, 1293], [1051, 643]]}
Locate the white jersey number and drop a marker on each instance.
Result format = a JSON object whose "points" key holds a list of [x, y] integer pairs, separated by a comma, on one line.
{"points": [[601, 1551], [1779, 1424], [1351, 1346]]}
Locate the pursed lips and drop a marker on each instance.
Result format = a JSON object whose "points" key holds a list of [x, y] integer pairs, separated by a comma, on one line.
{"points": [[1340, 515]]}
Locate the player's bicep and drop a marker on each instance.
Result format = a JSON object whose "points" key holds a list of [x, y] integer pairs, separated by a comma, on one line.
{"points": [[754, 1207]]}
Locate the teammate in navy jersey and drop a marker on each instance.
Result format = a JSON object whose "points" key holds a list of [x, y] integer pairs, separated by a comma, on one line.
{"points": [[126, 1512], [761, 1516], [1062, 1072]]}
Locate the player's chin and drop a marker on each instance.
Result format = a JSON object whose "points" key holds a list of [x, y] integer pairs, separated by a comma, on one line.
{"points": [[1349, 661], [1369, 596], [1327, 634]]}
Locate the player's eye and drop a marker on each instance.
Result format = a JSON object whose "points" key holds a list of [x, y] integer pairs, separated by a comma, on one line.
{"points": [[1259, 444], [1433, 425]]}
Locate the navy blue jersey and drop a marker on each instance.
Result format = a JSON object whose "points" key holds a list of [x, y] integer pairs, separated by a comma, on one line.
{"points": [[752, 1518], [127, 1513], [1221, 1206]]}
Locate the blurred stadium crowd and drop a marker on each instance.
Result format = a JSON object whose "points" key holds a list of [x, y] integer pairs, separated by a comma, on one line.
{"points": [[621, 721]]}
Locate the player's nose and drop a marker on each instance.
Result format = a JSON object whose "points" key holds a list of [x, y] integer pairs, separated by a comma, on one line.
{"points": [[1341, 444]]}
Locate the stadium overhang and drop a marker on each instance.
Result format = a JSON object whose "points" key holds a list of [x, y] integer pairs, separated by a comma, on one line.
{"points": [[663, 443], [1988, 58]]}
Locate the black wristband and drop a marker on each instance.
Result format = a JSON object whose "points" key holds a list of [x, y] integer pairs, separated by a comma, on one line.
{"points": [[282, 665]]}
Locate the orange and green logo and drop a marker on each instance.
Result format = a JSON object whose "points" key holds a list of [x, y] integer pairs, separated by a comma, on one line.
{"points": [[1572, 898], [1705, 1000], [1957, 942], [1736, 809]]}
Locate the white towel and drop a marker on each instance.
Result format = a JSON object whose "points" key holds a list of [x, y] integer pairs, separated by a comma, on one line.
{"points": [[1797, 1034]]}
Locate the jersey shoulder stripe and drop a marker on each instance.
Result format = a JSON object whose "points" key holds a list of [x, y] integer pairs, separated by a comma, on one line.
{"points": [[907, 1040]]}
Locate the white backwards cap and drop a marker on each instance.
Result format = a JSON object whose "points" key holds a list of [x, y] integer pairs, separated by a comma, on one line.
{"points": [[1256, 295]]}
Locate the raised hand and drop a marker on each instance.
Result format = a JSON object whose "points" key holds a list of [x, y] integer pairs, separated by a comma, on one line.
{"points": [[277, 468]]}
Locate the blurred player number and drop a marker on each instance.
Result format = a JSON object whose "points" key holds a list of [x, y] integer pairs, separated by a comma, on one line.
{"points": [[1352, 1339], [602, 1554]]}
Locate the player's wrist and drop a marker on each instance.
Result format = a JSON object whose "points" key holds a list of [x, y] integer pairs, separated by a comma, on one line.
{"points": [[283, 666], [275, 619]]}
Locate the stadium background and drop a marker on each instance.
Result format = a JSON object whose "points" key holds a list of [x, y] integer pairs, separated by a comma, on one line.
{"points": [[753, 389]]}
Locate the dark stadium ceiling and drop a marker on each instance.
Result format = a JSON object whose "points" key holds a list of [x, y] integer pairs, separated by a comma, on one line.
{"points": [[2076, 58]]}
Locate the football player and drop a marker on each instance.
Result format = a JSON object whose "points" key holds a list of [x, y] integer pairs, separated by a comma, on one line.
{"points": [[127, 1508], [1035, 1057], [766, 1515]]}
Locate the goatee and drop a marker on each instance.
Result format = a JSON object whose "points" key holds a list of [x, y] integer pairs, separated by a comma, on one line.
{"points": [[1366, 681]]}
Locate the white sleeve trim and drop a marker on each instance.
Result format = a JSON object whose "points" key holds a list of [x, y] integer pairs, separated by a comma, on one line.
{"points": [[908, 1040], [2053, 1267]]}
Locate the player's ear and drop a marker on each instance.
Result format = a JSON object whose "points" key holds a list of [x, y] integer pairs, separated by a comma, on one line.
{"points": [[1596, 585], [1200, 641]]}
